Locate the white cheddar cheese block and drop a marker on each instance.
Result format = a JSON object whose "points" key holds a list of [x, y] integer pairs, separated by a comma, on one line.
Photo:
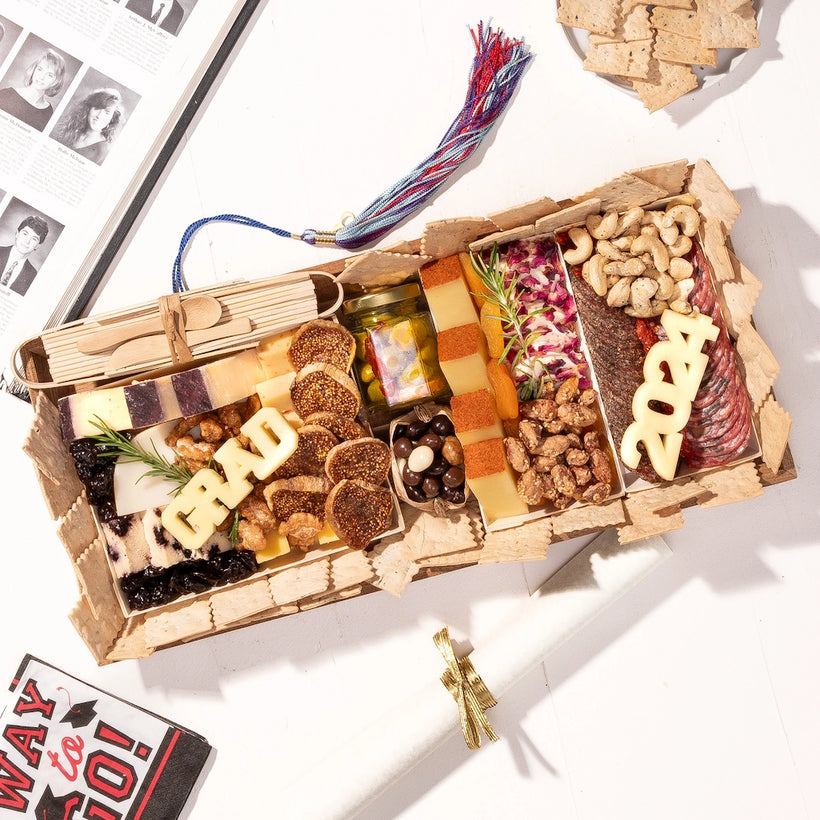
{"points": [[451, 305], [275, 391], [134, 490], [273, 354], [146, 403]]}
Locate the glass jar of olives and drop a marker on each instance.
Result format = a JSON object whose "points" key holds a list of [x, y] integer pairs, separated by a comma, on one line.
{"points": [[396, 354], [428, 461]]}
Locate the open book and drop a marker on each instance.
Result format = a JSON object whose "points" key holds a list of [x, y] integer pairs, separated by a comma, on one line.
{"points": [[94, 95]]}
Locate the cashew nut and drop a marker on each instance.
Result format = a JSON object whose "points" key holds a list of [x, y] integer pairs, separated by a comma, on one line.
{"points": [[682, 289], [680, 268], [583, 247], [653, 245], [602, 227], [619, 293], [681, 246], [593, 274], [642, 290], [628, 221], [666, 286], [685, 216], [680, 306], [634, 266], [607, 249]]}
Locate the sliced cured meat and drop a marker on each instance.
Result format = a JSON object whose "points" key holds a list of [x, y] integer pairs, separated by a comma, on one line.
{"points": [[720, 424], [617, 357]]}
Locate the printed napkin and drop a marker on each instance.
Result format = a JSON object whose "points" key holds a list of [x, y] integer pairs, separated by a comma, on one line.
{"points": [[69, 750]]}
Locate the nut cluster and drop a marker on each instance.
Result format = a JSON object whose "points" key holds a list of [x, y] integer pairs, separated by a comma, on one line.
{"points": [[635, 259], [556, 453]]}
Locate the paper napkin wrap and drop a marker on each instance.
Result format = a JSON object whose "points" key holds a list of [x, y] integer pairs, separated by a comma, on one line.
{"points": [[71, 750]]}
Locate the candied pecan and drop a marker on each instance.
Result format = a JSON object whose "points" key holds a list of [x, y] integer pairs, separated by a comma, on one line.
{"points": [[301, 530], [596, 493], [530, 487], [516, 453], [575, 441], [544, 463], [539, 409], [551, 446], [562, 501], [587, 397], [575, 415], [599, 464], [530, 433], [568, 391], [575, 457], [555, 426], [549, 487], [582, 475], [591, 441], [563, 479]]}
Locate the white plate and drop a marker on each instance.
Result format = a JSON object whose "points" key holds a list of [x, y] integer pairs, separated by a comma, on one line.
{"points": [[727, 60]]}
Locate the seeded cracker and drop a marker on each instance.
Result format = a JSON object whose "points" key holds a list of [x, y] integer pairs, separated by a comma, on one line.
{"points": [[727, 24], [665, 83], [630, 59], [684, 22], [597, 16], [674, 48]]}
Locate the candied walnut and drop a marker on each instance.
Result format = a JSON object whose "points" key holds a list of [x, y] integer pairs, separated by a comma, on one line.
{"points": [[182, 427], [211, 430], [551, 446], [575, 457], [250, 536], [194, 454], [591, 441], [568, 391], [563, 479], [252, 406], [599, 464], [230, 418], [539, 409], [544, 463], [582, 475], [255, 509], [596, 493], [575, 415], [530, 433], [301, 530], [530, 487], [516, 453]]}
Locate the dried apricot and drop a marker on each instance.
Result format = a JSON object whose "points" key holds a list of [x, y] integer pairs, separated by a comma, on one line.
{"points": [[503, 387], [478, 290], [491, 325]]}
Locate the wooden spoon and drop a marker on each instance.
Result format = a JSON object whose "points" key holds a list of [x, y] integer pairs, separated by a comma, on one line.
{"points": [[198, 312], [152, 348]]}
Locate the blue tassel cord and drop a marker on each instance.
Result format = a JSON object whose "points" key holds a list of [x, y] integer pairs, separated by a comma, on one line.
{"points": [[497, 68]]}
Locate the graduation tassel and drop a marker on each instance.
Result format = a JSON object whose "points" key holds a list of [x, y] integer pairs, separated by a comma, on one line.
{"points": [[497, 67]]}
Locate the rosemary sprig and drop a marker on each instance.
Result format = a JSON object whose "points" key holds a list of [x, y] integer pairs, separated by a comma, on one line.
{"points": [[504, 295], [120, 446]]}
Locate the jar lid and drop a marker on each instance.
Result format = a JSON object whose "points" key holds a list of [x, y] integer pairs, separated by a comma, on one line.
{"points": [[380, 298]]}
